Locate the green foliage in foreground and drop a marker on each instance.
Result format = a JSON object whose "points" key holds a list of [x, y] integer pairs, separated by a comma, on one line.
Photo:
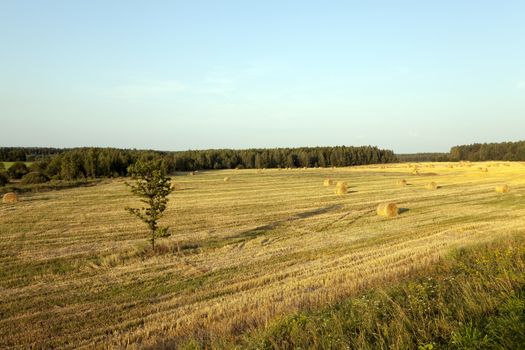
{"points": [[474, 299]]}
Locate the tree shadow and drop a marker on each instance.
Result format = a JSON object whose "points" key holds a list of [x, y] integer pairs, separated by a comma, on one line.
{"points": [[260, 230]]}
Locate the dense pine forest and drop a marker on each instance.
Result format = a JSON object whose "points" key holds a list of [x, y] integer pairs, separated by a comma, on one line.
{"points": [[508, 151], [512, 151], [26, 154], [79, 163], [110, 162]]}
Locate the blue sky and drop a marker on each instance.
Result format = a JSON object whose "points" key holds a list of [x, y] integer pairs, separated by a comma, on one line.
{"points": [[404, 75]]}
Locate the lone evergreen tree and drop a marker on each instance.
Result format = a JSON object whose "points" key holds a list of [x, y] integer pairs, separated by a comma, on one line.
{"points": [[153, 187]]}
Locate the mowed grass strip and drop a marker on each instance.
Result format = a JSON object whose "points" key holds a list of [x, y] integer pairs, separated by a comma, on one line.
{"points": [[76, 272]]}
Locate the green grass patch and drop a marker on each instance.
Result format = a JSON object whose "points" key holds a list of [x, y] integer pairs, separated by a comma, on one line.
{"points": [[473, 299], [47, 186], [7, 165]]}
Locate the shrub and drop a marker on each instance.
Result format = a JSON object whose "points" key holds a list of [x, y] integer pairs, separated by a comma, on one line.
{"points": [[39, 166], [17, 170], [34, 177], [4, 180]]}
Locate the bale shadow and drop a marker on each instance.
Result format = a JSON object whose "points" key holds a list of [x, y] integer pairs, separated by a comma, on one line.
{"points": [[402, 210]]}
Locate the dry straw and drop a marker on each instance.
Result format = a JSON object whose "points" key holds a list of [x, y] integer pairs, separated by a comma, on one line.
{"points": [[387, 209], [328, 182], [10, 197], [503, 189], [341, 188], [226, 179], [431, 186]]}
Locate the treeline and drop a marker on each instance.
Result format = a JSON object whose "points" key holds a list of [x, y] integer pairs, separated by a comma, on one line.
{"points": [[424, 157], [27, 154], [281, 158], [110, 162], [489, 151]]}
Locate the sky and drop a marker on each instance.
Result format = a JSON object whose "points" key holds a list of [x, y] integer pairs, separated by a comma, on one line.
{"points": [[411, 76]]}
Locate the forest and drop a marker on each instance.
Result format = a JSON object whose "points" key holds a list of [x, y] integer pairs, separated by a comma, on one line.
{"points": [[509, 151], [80, 163]]}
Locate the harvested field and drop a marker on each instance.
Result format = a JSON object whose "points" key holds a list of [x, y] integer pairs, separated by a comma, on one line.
{"points": [[76, 271]]}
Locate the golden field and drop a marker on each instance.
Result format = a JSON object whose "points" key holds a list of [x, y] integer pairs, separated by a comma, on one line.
{"points": [[76, 272]]}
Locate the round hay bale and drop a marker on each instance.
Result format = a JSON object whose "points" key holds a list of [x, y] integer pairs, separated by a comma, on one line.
{"points": [[402, 182], [226, 179], [503, 189], [341, 189], [192, 173], [328, 182], [431, 186], [9, 197], [388, 210], [341, 183]]}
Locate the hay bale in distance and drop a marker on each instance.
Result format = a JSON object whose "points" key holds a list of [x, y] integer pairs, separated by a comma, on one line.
{"points": [[388, 210], [192, 173], [328, 182], [503, 189], [341, 188], [431, 186], [9, 197], [402, 182], [226, 179]]}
